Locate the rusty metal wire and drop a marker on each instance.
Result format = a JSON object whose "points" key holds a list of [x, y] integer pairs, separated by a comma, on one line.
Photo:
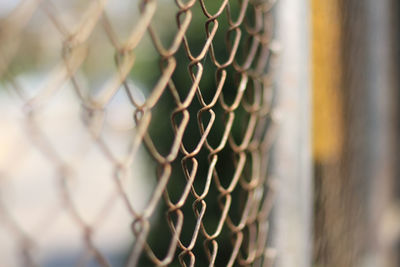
{"points": [[212, 83]]}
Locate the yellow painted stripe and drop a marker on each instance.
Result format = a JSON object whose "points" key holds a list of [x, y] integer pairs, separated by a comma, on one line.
{"points": [[326, 79]]}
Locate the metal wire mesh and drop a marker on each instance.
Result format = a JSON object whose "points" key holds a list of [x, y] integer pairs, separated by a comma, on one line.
{"points": [[143, 127]]}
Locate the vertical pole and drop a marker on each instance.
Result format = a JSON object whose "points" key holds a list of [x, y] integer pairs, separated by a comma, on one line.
{"points": [[369, 88], [292, 153], [380, 98]]}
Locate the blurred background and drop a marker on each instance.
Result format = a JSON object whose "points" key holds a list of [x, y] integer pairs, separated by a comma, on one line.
{"points": [[59, 152], [355, 70]]}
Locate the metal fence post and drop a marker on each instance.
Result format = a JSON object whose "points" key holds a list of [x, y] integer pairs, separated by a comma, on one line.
{"points": [[293, 165]]}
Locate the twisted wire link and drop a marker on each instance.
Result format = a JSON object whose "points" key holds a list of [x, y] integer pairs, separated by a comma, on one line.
{"points": [[228, 197]]}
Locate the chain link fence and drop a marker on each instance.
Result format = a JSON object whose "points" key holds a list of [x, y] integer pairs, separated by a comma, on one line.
{"points": [[136, 133]]}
